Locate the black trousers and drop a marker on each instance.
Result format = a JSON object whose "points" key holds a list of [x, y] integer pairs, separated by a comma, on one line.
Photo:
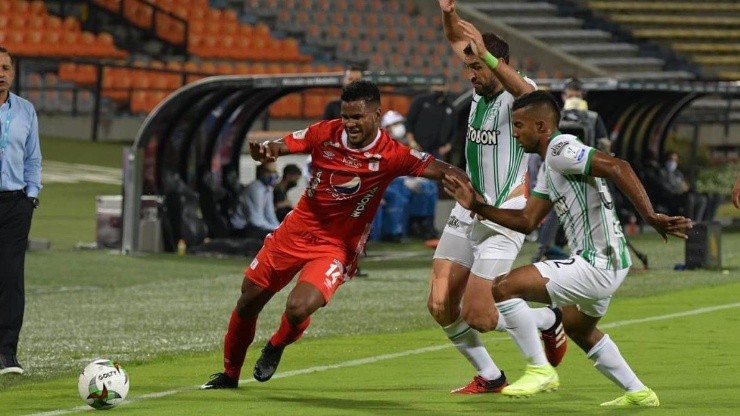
{"points": [[15, 223]]}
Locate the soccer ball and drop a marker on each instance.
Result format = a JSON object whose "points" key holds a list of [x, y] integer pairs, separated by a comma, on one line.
{"points": [[103, 384]]}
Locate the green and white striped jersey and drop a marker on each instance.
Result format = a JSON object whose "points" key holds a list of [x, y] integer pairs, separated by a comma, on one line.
{"points": [[583, 203], [496, 163]]}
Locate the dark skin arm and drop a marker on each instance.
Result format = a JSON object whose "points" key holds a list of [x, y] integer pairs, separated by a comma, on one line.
{"points": [[523, 220], [438, 170], [602, 165], [620, 172], [268, 151]]}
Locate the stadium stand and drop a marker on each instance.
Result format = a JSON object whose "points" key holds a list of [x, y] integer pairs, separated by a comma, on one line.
{"points": [[706, 32], [554, 24]]}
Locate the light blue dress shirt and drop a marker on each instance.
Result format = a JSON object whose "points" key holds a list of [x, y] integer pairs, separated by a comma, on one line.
{"points": [[255, 207], [20, 157]]}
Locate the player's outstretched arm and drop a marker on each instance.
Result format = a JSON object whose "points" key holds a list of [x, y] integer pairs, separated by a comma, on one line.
{"points": [[453, 32], [268, 151], [620, 172], [512, 81], [522, 220]]}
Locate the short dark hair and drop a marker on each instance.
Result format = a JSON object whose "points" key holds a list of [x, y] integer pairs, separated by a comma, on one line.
{"points": [[495, 44], [361, 90], [6, 51], [292, 169], [541, 99], [575, 84]]}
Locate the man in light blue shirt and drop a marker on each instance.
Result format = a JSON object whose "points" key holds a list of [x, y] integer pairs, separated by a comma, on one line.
{"points": [[20, 183], [253, 215]]}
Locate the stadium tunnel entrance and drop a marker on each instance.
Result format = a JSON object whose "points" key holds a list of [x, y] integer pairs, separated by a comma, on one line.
{"points": [[188, 148]]}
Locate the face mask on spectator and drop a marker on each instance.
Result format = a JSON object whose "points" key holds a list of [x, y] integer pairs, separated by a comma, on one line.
{"points": [[671, 165]]}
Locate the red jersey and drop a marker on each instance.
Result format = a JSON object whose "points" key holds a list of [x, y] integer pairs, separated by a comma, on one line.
{"points": [[346, 185]]}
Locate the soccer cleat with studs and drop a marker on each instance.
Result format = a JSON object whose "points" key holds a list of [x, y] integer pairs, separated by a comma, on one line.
{"points": [[642, 398], [554, 339], [536, 379], [220, 381], [481, 385], [268, 362]]}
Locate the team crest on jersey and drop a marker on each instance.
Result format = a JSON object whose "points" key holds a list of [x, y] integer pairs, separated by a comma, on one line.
{"points": [[300, 134], [373, 165], [344, 184]]}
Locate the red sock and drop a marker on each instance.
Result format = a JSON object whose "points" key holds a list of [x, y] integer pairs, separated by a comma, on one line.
{"points": [[287, 333], [238, 338]]}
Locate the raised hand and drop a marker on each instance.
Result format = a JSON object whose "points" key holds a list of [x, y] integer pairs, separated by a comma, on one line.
{"points": [[447, 6], [675, 226], [261, 152], [476, 38]]}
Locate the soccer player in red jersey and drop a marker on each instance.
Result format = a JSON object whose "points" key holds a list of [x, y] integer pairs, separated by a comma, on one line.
{"points": [[353, 161]]}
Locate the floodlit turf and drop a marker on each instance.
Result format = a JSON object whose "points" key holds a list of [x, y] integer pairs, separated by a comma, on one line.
{"points": [[373, 350]]}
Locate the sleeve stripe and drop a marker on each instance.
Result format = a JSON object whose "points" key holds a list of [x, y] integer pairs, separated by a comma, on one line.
{"points": [[587, 168], [540, 195]]}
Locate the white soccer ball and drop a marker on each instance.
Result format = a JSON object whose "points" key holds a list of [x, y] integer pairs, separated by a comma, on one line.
{"points": [[103, 384]]}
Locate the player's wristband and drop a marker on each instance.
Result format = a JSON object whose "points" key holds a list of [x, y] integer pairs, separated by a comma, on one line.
{"points": [[490, 60]]}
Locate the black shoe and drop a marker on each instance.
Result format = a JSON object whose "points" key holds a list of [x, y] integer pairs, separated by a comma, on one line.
{"points": [[9, 365], [220, 381], [268, 362]]}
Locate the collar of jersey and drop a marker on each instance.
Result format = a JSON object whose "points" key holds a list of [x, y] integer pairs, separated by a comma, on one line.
{"points": [[493, 97], [364, 149], [554, 134]]}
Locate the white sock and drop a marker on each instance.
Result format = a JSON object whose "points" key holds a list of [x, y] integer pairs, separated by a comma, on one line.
{"points": [[522, 328], [544, 318], [467, 341], [609, 361]]}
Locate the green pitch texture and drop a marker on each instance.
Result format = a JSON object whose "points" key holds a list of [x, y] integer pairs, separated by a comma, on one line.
{"points": [[373, 350]]}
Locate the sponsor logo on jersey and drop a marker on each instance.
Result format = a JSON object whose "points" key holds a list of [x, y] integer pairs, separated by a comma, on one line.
{"points": [[362, 203], [327, 154], [484, 137], [573, 152], [314, 183], [453, 221], [331, 143], [300, 134], [419, 155], [344, 184], [558, 148], [373, 165], [352, 162]]}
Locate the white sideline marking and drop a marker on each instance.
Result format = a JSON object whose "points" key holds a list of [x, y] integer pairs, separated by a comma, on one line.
{"points": [[377, 358]]}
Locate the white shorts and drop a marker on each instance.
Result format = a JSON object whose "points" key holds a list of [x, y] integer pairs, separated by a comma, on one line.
{"points": [[574, 281], [484, 247]]}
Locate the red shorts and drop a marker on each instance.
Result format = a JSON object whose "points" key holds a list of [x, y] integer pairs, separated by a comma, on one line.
{"points": [[285, 253]]}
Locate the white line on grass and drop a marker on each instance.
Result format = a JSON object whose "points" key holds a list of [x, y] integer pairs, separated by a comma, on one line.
{"points": [[377, 358]]}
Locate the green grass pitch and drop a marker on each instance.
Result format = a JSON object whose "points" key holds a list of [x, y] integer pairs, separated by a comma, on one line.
{"points": [[373, 350]]}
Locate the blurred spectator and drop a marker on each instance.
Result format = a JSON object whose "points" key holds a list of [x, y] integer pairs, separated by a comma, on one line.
{"points": [[253, 215], [431, 122], [333, 109], [576, 116], [680, 198], [291, 175], [409, 203]]}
